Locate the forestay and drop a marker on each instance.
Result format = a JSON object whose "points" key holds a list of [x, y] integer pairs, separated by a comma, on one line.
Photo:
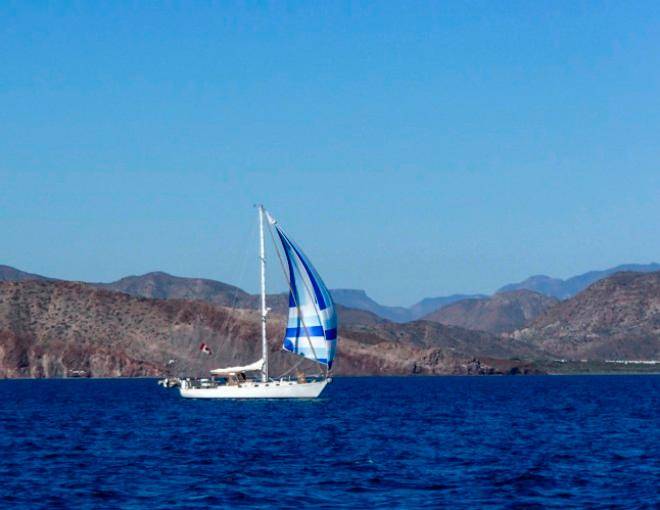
{"points": [[312, 328]]}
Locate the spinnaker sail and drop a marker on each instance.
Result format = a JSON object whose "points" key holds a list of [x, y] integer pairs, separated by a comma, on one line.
{"points": [[312, 327]]}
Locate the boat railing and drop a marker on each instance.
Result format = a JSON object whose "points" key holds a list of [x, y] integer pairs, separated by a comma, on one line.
{"points": [[200, 383], [205, 382]]}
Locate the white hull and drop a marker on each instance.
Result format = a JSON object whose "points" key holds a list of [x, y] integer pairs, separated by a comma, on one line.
{"points": [[253, 389]]}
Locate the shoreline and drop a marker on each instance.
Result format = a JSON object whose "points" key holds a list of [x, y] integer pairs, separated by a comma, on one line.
{"points": [[384, 376]]}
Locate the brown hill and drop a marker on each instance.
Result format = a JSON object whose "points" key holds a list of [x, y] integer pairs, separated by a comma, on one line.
{"points": [[165, 286], [53, 329], [504, 311], [616, 318]]}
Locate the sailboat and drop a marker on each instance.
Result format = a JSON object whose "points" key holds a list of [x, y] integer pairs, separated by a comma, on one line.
{"points": [[311, 332]]}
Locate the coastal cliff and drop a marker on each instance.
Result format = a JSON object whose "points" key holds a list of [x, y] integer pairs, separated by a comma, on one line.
{"points": [[61, 329]]}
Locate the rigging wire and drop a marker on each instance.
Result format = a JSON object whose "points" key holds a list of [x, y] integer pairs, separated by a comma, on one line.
{"points": [[297, 364], [226, 323]]}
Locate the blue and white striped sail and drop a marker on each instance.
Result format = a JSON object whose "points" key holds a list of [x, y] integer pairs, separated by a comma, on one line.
{"points": [[312, 328]]}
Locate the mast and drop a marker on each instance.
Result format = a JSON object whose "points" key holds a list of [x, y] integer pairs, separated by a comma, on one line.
{"points": [[264, 310]]}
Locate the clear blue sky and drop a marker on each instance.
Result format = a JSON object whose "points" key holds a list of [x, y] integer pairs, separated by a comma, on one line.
{"points": [[412, 149]]}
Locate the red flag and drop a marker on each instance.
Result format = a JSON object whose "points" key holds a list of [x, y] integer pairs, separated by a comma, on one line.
{"points": [[205, 348]]}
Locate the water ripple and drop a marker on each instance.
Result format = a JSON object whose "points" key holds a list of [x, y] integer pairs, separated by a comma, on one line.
{"points": [[535, 442]]}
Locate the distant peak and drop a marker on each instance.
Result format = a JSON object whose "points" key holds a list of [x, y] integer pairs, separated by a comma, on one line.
{"points": [[151, 274], [160, 273], [351, 291]]}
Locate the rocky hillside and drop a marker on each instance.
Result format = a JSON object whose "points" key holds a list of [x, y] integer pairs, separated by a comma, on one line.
{"points": [[616, 318], [504, 311], [55, 329]]}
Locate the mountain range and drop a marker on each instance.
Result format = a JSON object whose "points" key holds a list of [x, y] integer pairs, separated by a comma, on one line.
{"points": [[56, 328], [354, 298], [563, 289], [165, 286], [136, 325]]}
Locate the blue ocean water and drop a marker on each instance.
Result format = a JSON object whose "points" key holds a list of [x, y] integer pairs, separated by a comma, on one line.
{"points": [[460, 442]]}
